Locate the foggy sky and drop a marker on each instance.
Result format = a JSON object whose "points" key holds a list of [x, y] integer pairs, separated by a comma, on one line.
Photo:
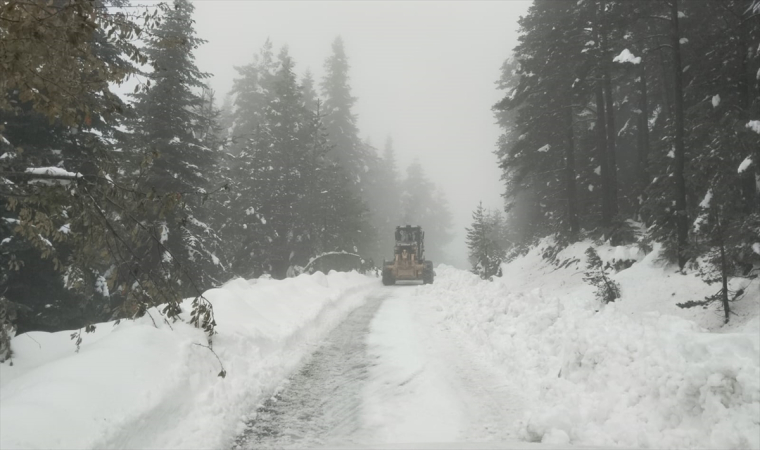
{"points": [[422, 72]]}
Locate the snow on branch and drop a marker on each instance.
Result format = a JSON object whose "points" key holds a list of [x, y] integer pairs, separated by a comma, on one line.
{"points": [[743, 166], [627, 57], [47, 175]]}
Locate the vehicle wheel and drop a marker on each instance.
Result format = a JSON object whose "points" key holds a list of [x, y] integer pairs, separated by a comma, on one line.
{"points": [[428, 274], [427, 277], [388, 279]]}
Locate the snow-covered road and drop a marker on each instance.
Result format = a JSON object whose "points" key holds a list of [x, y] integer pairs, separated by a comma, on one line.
{"points": [[388, 375], [528, 360]]}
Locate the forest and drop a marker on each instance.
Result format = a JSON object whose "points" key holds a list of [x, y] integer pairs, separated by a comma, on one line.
{"points": [[112, 205], [624, 122], [631, 122]]}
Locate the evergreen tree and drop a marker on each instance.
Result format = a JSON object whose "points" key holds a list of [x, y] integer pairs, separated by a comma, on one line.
{"points": [[422, 204], [664, 96], [541, 159], [310, 99], [487, 242], [385, 205], [56, 121], [173, 130], [65, 202], [340, 122], [294, 202], [348, 151], [241, 231]]}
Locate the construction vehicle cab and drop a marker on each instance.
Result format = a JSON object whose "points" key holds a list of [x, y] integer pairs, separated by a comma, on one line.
{"points": [[408, 258]]}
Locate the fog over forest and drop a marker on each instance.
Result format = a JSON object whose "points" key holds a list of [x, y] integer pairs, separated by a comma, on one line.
{"points": [[423, 73], [151, 151], [398, 224]]}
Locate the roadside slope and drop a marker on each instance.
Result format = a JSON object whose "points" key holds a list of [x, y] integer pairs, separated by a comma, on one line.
{"points": [[638, 373]]}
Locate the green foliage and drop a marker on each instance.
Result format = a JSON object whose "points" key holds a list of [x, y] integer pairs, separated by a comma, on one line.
{"points": [[173, 136], [597, 275], [487, 242], [290, 200], [71, 216], [47, 44], [358, 160], [8, 314], [651, 136]]}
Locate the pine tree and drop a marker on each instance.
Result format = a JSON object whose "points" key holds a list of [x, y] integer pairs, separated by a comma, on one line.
{"points": [[487, 242], [60, 115], [84, 223], [479, 243], [294, 202], [422, 204], [541, 159], [385, 204], [664, 96], [172, 131], [310, 99], [340, 122], [348, 151], [241, 228]]}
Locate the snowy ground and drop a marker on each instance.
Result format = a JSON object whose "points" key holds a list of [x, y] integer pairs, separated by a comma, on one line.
{"points": [[136, 385], [530, 360], [639, 373]]}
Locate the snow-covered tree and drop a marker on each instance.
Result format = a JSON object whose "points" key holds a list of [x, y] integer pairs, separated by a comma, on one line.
{"points": [[66, 207], [292, 201], [487, 242], [173, 132], [340, 121]]}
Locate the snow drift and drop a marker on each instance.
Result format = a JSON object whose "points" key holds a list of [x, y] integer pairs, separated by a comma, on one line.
{"points": [[639, 372], [139, 384]]}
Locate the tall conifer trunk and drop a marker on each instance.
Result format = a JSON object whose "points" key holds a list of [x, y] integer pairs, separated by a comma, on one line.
{"points": [[745, 88], [609, 110], [642, 135], [604, 65], [572, 197], [601, 150], [724, 278], [682, 220], [665, 85]]}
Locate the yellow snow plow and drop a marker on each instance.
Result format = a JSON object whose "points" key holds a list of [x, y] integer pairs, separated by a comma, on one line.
{"points": [[408, 258]]}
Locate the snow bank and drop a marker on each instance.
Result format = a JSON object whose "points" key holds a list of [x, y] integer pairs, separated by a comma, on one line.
{"points": [[137, 385], [639, 372]]}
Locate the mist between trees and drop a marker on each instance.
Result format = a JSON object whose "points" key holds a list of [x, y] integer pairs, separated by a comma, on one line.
{"points": [[632, 122], [113, 206]]}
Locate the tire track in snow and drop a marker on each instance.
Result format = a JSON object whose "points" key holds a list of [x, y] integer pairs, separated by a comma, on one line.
{"points": [[492, 404], [322, 402]]}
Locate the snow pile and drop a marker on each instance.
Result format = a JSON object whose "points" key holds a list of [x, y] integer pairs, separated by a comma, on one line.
{"points": [[639, 372], [137, 385]]}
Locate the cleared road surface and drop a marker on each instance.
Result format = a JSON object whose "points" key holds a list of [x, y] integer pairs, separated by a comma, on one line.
{"points": [[389, 376]]}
